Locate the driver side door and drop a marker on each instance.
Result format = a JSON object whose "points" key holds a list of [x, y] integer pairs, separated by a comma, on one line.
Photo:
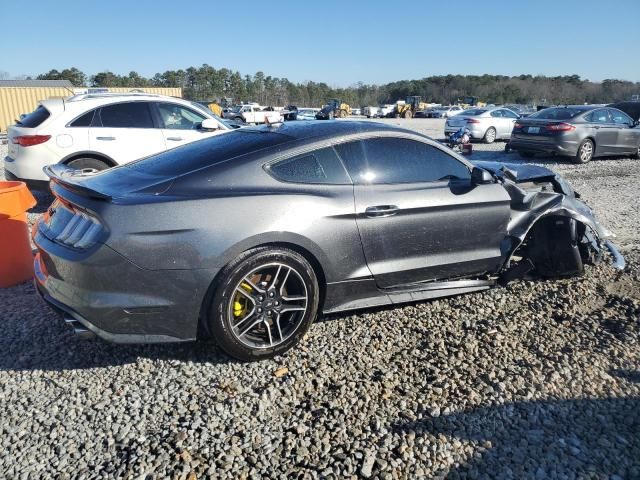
{"points": [[418, 215]]}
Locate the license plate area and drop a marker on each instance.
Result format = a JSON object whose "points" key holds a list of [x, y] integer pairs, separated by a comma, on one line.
{"points": [[533, 130]]}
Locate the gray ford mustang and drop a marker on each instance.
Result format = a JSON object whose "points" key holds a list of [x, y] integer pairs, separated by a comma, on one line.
{"points": [[246, 236]]}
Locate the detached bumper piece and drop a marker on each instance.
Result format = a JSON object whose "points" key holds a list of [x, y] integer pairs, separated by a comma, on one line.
{"points": [[619, 262]]}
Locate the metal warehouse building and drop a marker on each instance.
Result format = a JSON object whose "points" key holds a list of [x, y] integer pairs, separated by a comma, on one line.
{"points": [[22, 96]]}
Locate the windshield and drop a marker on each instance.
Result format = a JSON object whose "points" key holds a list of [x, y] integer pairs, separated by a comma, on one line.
{"points": [[209, 113], [558, 113]]}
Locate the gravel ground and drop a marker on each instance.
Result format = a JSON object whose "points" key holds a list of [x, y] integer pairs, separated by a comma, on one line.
{"points": [[535, 380]]}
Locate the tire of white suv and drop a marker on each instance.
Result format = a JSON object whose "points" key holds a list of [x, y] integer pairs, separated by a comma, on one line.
{"points": [[87, 162]]}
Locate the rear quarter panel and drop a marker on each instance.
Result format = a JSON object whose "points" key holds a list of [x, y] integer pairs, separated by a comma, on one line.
{"points": [[231, 214]]}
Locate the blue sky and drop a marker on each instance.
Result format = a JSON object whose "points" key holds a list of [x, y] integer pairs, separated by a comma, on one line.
{"points": [[338, 42]]}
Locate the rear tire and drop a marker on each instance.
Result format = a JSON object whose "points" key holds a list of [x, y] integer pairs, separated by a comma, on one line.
{"points": [[585, 152], [246, 294], [636, 156], [490, 135], [407, 114], [88, 163]]}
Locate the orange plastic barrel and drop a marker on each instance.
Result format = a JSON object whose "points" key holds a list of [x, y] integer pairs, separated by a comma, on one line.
{"points": [[16, 262]]}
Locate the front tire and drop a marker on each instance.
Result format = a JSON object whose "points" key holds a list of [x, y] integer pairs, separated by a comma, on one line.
{"points": [[490, 135], [636, 156], [264, 302], [585, 152]]}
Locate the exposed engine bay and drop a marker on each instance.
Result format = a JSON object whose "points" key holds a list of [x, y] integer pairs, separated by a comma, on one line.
{"points": [[552, 233]]}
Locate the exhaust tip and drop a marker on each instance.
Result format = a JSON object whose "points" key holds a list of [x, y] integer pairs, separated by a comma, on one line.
{"points": [[80, 330]]}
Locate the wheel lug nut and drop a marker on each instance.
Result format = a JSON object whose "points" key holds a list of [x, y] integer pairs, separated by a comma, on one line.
{"points": [[261, 298], [277, 302], [259, 310]]}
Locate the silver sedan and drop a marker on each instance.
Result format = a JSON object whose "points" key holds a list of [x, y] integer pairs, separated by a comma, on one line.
{"points": [[488, 124]]}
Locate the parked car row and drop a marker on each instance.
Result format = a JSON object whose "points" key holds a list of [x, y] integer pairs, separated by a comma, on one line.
{"points": [[582, 132]]}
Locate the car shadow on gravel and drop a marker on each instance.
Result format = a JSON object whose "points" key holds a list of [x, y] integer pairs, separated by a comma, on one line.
{"points": [[35, 338], [543, 439]]}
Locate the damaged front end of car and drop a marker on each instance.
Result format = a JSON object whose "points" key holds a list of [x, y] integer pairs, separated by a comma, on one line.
{"points": [[551, 232]]}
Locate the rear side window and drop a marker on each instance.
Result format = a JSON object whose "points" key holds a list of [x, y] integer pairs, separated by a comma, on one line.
{"points": [[83, 120], [319, 166], [399, 160], [127, 115], [35, 118], [599, 116]]}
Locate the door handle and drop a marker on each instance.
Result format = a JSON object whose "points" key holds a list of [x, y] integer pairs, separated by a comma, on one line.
{"points": [[175, 139], [596, 127], [381, 211], [106, 138]]}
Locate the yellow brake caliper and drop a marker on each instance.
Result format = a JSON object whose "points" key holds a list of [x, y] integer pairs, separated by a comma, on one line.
{"points": [[241, 303]]}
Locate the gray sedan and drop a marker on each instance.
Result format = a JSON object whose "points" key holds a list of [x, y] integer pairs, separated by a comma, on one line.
{"points": [[582, 132], [488, 124]]}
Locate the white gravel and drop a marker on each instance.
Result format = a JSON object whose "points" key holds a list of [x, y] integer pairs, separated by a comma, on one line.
{"points": [[536, 380]]}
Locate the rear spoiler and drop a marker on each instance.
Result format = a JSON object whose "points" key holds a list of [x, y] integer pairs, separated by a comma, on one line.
{"points": [[72, 180]]}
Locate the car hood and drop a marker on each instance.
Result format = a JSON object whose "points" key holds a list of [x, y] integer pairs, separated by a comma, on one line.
{"points": [[530, 203], [521, 173]]}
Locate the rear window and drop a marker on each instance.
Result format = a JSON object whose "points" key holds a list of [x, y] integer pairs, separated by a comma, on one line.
{"points": [[474, 111], [208, 152], [35, 118], [557, 113]]}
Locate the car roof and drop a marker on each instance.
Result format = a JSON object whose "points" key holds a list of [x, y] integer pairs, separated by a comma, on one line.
{"points": [[90, 100], [328, 128]]}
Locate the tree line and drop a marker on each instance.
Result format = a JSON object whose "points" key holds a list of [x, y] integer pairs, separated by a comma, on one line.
{"points": [[207, 83]]}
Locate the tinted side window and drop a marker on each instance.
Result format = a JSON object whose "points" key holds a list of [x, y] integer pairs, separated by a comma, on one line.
{"points": [[83, 120], [398, 160], [320, 166], [127, 115], [599, 116], [35, 118], [620, 118], [509, 114], [496, 113]]}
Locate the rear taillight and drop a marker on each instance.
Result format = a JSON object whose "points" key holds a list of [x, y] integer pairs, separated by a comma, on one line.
{"points": [[517, 126], [560, 127], [69, 226], [472, 120], [30, 140]]}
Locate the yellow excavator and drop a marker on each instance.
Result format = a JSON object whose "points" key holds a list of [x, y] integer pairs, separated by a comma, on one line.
{"points": [[409, 107], [334, 108], [468, 102]]}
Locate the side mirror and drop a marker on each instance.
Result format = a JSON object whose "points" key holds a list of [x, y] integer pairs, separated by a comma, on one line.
{"points": [[480, 176], [209, 124]]}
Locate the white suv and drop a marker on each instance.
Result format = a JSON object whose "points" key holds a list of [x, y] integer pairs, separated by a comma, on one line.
{"points": [[103, 130]]}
